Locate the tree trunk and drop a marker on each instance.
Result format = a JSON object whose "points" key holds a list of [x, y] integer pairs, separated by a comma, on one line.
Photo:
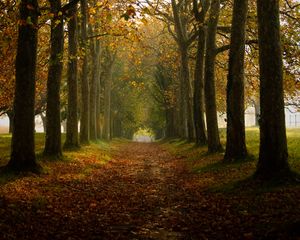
{"points": [[182, 122], [199, 90], [107, 104], [85, 104], [257, 111], [93, 90], [98, 106], [53, 128], [188, 98], [44, 121], [170, 128], [213, 138], [10, 115], [235, 141], [23, 149], [72, 117], [117, 126], [273, 154]]}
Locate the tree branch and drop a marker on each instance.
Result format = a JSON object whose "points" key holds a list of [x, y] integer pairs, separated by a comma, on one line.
{"points": [[227, 47], [68, 6], [225, 29]]}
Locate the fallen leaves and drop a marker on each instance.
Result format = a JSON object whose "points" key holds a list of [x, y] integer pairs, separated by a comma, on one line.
{"points": [[142, 192]]}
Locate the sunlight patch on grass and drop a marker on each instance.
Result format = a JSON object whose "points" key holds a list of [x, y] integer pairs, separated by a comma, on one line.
{"points": [[226, 175]]}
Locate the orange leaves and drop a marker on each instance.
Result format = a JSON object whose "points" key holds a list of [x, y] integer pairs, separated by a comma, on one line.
{"points": [[144, 191], [130, 13]]}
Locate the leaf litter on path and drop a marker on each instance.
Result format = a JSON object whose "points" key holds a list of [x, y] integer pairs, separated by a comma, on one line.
{"points": [[143, 192]]}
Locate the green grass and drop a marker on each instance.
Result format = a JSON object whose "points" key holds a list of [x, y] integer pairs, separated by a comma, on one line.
{"points": [[98, 151], [229, 173], [252, 141]]}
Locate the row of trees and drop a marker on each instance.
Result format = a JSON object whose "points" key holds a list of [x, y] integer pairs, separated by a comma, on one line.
{"points": [[204, 21], [134, 70], [83, 45]]}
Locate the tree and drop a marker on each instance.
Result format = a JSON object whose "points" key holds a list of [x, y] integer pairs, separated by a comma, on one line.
{"points": [[53, 128], [235, 138], [23, 149], [273, 154], [213, 138], [184, 40], [85, 105], [72, 140], [199, 73], [95, 52], [109, 58]]}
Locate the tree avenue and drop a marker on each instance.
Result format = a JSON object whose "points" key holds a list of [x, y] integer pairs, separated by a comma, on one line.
{"points": [[117, 68]]}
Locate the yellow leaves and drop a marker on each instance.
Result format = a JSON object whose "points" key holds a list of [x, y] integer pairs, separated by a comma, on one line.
{"points": [[92, 11], [99, 4], [112, 45], [137, 85], [133, 84], [144, 20], [146, 10]]}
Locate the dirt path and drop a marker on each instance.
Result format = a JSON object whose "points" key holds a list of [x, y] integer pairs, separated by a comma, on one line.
{"points": [[142, 193]]}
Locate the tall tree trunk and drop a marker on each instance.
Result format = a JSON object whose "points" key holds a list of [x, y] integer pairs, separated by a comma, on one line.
{"points": [[85, 104], [182, 122], [213, 138], [98, 106], [199, 90], [235, 141], [72, 117], [44, 121], [23, 149], [256, 104], [170, 128], [93, 89], [117, 126], [107, 104], [184, 40], [188, 98], [10, 115], [273, 154], [53, 128]]}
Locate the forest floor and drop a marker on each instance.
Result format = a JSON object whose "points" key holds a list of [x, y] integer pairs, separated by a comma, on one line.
{"points": [[128, 190]]}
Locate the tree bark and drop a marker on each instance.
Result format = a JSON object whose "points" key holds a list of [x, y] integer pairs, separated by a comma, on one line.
{"points": [[273, 154], [85, 104], [213, 138], [235, 140], [53, 128], [199, 90], [170, 123], [187, 88], [93, 89], [10, 115], [107, 104], [72, 117], [44, 120], [186, 97], [182, 118], [256, 104], [98, 106], [23, 149]]}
